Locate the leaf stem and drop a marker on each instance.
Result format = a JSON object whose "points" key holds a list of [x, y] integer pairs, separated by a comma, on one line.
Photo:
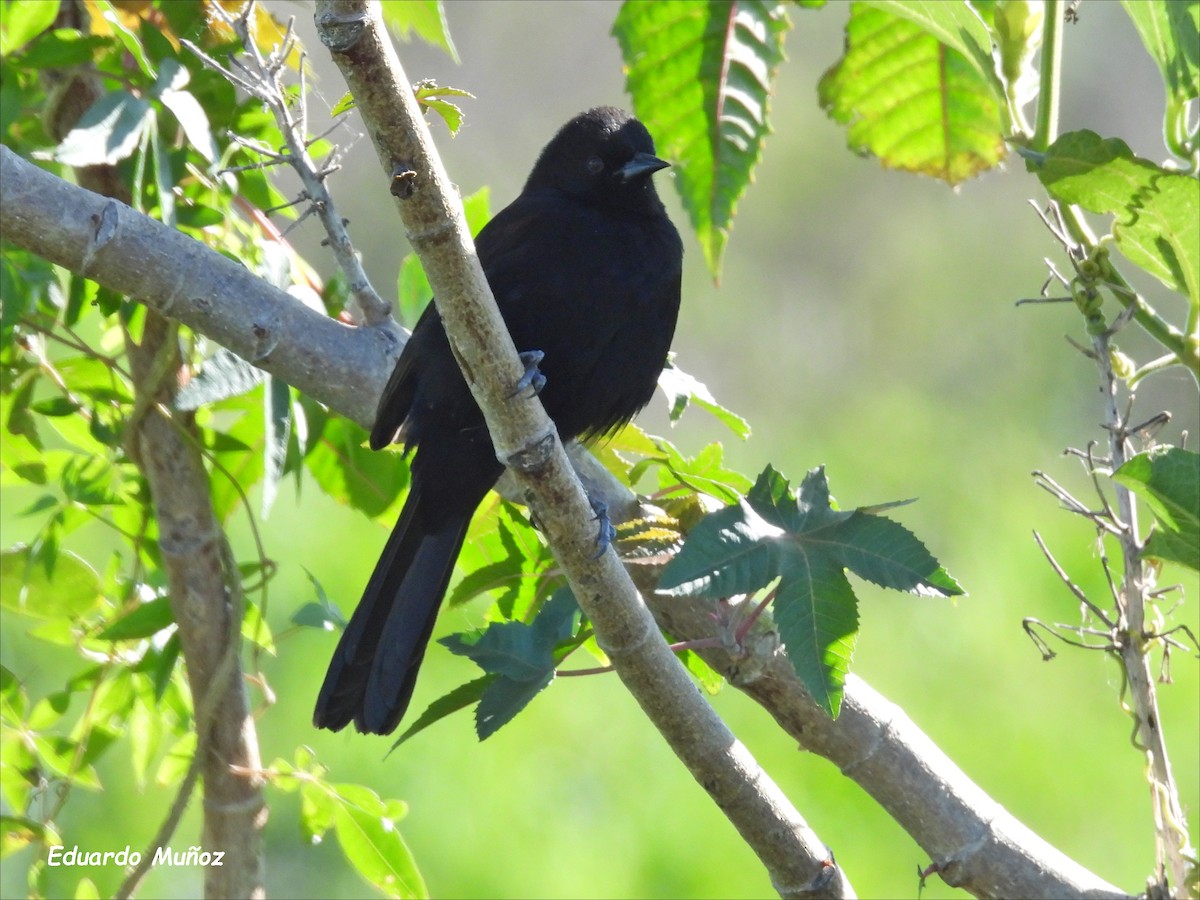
{"points": [[1185, 350], [1050, 71]]}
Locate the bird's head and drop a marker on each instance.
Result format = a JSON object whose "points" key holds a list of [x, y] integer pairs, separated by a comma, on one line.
{"points": [[604, 157]]}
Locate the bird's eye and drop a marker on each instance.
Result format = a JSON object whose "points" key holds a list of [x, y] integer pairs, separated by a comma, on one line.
{"points": [[595, 165]]}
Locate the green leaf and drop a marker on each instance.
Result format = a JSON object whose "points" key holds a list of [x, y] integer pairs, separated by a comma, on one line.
{"points": [[318, 810], [731, 551], [144, 620], [413, 292], [504, 555], [682, 389], [164, 180], [1168, 478], [322, 614], [61, 48], [108, 132], [369, 839], [1170, 29], [955, 25], [521, 656], [460, 698], [705, 472], [94, 378], [805, 542], [432, 96], [891, 556], [352, 473], [1158, 212], [71, 591], [24, 20], [915, 103], [175, 764], [89, 481], [816, 613], [701, 75], [18, 832], [255, 629], [345, 104], [426, 17], [54, 406]]}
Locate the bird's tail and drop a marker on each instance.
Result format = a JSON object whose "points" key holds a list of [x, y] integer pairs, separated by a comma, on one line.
{"points": [[374, 668]]}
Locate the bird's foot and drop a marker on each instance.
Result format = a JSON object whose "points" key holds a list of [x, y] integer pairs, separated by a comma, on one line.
{"points": [[607, 532], [533, 378]]}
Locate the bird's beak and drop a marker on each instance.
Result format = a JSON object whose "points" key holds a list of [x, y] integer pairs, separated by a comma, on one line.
{"points": [[641, 165]]}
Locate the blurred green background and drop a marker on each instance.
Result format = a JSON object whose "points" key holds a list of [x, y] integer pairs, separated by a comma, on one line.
{"points": [[865, 321]]}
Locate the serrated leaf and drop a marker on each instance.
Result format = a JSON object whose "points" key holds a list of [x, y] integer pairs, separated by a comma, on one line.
{"points": [[889, 555], [956, 25], [521, 657], [911, 101], [705, 472], [461, 697], [816, 613], [731, 551], [701, 76], [1168, 478], [804, 542], [516, 650], [432, 96], [1158, 212], [502, 699]]}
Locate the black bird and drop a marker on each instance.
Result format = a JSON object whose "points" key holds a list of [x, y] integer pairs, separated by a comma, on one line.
{"points": [[585, 267]]}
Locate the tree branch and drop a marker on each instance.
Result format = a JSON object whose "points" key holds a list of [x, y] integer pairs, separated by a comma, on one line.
{"points": [[107, 241], [973, 842]]}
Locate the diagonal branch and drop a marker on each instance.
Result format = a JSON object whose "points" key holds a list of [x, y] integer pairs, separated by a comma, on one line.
{"points": [[173, 274]]}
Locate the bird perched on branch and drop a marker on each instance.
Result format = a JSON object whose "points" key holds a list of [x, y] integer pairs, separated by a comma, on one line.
{"points": [[585, 268]]}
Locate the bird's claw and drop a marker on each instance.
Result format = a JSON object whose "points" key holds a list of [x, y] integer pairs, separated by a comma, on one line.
{"points": [[607, 532], [533, 378]]}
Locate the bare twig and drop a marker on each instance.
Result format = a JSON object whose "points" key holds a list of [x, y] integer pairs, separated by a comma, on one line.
{"points": [[262, 78]]}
